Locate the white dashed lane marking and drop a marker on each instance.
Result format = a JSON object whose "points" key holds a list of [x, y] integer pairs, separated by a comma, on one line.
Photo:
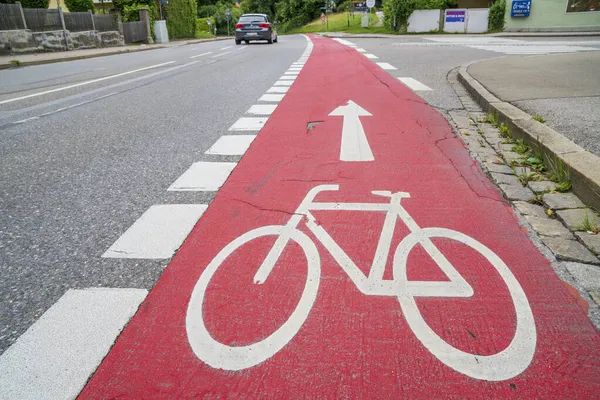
{"points": [[271, 97], [56, 356], [414, 84], [278, 89], [203, 177], [262, 109], [249, 124], [201, 55], [232, 145], [386, 66], [371, 56], [283, 83], [158, 233]]}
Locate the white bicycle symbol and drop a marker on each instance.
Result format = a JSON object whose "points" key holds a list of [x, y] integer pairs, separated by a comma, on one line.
{"points": [[506, 364]]}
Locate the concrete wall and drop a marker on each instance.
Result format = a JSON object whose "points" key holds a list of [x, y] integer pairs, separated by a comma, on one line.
{"points": [[424, 21], [25, 41], [551, 15]]}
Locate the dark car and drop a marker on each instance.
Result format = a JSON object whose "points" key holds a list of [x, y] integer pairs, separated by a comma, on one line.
{"points": [[254, 27]]}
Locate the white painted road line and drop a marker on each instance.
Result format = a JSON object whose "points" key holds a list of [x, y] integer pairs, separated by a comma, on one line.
{"points": [[225, 48], [262, 109], [288, 78], [232, 145], [201, 55], [85, 83], [361, 50], [386, 66], [55, 357], [371, 56], [220, 54], [158, 233], [243, 48], [278, 89], [249, 124], [283, 83], [203, 177], [271, 97], [294, 73], [414, 84]]}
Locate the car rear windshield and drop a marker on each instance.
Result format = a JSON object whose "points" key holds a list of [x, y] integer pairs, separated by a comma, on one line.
{"points": [[247, 19]]}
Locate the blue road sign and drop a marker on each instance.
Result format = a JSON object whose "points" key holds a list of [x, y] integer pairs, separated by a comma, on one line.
{"points": [[520, 8]]}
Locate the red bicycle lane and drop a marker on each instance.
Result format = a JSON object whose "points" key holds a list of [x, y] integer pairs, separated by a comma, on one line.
{"points": [[316, 327]]}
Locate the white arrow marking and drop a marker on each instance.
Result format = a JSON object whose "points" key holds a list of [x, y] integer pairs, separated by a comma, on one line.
{"points": [[355, 146]]}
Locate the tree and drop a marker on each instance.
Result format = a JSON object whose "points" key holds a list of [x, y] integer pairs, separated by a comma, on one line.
{"points": [[35, 3], [258, 7], [79, 5]]}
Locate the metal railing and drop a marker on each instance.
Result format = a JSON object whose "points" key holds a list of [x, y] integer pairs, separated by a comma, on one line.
{"points": [[134, 31], [10, 17]]}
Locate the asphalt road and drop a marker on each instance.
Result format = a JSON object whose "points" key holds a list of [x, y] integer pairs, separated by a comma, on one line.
{"points": [[73, 180], [79, 165], [561, 87]]}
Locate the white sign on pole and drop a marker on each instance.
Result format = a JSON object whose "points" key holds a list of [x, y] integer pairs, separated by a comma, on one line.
{"points": [[370, 3]]}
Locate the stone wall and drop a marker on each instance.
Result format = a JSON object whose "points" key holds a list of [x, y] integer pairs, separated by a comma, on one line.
{"points": [[25, 41]]}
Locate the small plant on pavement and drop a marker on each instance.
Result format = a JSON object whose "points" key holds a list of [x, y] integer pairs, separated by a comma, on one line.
{"points": [[505, 132], [537, 200], [15, 63], [539, 118], [491, 119], [588, 225], [560, 174], [520, 147], [526, 177]]}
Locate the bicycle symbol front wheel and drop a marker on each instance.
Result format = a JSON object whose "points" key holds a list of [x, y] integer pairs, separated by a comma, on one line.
{"points": [[506, 364], [234, 358]]}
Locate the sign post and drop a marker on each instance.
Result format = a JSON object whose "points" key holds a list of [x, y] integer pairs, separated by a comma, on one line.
{"points": [[370, 5], [160, 4], [228, 16]]}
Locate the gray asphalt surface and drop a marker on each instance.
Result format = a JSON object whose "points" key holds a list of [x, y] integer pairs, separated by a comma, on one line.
{"points": [[563, 88], [72, 181]]}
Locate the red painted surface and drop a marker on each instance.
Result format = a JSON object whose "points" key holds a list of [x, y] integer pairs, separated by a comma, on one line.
{"points": [[352, 345]]}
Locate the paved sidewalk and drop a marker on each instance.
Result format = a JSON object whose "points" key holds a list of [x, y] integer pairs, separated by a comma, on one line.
{"points": [[562, 88], [53, 57], [499, 34]]}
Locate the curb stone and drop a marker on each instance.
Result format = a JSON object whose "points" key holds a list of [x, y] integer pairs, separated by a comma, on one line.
{"points": [[584, 166], [567, 247]]}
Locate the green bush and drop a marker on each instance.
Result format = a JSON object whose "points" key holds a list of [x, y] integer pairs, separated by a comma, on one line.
{"points": [[295, 13], [35, 3], [496, 16], [181, 18], [220, 19], [79, 5], [203, 30]]}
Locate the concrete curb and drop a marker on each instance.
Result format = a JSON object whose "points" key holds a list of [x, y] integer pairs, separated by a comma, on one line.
{"points": [[584, 166], [110, 53]]}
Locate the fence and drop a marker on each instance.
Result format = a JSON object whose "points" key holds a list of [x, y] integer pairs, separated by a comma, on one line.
{"points": [[10, 17], [134, 31], [42, 20]]}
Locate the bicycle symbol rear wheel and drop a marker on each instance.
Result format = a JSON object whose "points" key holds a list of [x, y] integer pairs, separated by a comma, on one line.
{"points": [[506, 364], [234, 358]]}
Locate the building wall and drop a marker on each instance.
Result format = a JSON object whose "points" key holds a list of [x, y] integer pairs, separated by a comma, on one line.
{"points": [[549, 15], [56, 3]]}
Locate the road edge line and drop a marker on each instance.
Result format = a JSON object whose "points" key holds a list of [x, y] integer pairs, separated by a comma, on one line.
{"points": [[584, 166]]}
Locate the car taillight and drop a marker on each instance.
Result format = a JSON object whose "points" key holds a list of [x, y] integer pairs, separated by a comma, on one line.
{"points": [[264, 25], [239, 26]]}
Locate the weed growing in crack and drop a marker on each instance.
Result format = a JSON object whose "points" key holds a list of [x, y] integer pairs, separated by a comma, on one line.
{"points": [[481, 143], [537, 199], [526, 177], [520, 147], [559, 173], [505, 132], [539, 118], [588, 225], [480, 131]]}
